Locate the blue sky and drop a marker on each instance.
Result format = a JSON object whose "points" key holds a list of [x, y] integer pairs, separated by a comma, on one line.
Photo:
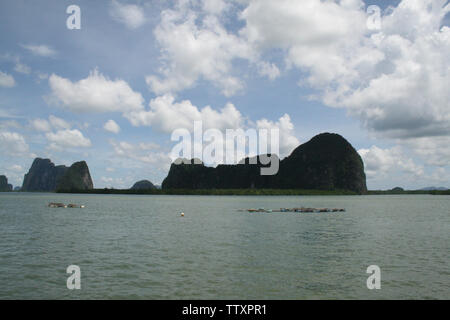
{"points": [[112, 92]]}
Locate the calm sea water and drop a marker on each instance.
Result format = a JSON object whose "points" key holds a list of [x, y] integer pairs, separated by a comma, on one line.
{"points": [[138, 247]]}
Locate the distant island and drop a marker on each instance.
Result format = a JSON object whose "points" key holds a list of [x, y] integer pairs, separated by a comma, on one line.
{"points": [[44, 176], [4, 185], [327, 162], [143, 185], [326, 165]]}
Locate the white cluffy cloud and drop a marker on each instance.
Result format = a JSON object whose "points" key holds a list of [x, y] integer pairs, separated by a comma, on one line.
{"points": [[59, 134], [96, 93], [63, 139], [288, 141], [196, 47], [47, 125], [379, 163], [40, 50], [394, 79], [13, 144], [111, 126], [143, 152], [131, 15], [167, 115], [6, 80]]}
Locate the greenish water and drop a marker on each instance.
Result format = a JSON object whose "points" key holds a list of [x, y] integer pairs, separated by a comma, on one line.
{"points": [[138, 247]]}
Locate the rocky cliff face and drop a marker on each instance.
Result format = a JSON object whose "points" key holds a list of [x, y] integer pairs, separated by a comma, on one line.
{"points": [[326, 162], [143, 185], [44, 176], [77, 177], [4, 186]]}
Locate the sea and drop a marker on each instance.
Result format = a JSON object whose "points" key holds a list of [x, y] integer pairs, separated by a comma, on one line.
{"points": [[141, 247]]}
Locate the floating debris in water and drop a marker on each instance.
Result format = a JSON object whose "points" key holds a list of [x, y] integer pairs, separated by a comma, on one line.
{"points": [[301, 210], [62, 205]]}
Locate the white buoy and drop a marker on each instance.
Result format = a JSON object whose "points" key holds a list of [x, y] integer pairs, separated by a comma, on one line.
{"points": [[182, 214]]}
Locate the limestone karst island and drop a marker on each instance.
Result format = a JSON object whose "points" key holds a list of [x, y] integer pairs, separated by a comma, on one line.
{"points": [[328, 162]]}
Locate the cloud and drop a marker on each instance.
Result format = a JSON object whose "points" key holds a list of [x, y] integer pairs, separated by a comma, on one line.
{"points": [[394, 79], [63, 139], [196, 47], [269, 70], [9, 123], [288, 141], [16, 168], [40, 125], [434, 151], [166, 115], [58, 123], [6, 80], [13, 144], [131, 15], [47, 125], [40, 50], [96, 93], [215, 6], [147, 153], [111, 126], [22, 68], [379, 163]]}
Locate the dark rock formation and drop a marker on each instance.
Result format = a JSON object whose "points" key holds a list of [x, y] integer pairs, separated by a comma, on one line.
{"points": [[326, 162], [44, 176], [4, 186], [76, 178], [143, 185]]}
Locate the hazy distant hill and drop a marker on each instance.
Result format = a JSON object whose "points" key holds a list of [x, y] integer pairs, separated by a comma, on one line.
{"points": [[434, 188], [326, 162], [143, 185]]}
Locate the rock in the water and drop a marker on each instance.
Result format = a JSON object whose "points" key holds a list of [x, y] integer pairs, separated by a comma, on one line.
{"points": [[4, 186], [326, 162], [143, 185], [76, 178], [44, 176]]}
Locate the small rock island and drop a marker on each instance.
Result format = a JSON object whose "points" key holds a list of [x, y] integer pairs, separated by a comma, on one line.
{"points": [[143, 185], [4, 186], [44, 176]]}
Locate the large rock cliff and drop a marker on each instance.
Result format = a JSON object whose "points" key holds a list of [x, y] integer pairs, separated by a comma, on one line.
{"points": [[44, 176], [76, 178], [326, 162], [4, 186]]}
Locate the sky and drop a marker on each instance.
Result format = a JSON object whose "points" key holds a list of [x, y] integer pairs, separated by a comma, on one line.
{"points": [[112, 92]]}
